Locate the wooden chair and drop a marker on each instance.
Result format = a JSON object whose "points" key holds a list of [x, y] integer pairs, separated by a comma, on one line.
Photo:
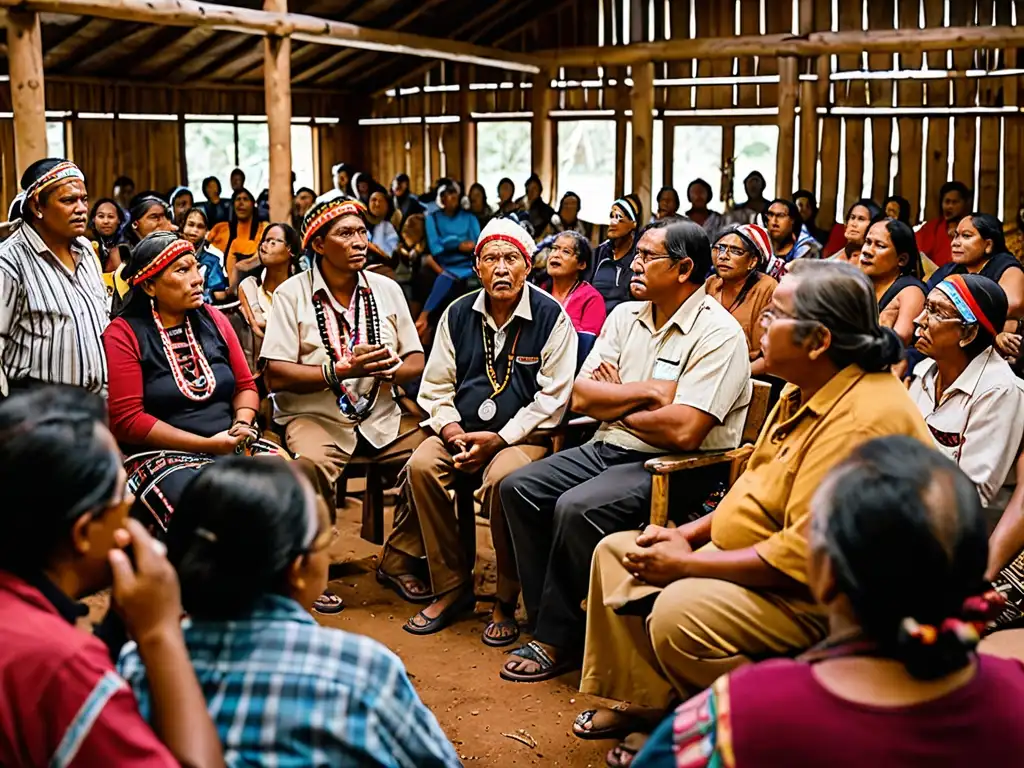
{"points": [[663, 467]]}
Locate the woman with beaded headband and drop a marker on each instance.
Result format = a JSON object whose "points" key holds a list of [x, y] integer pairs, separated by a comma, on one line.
{"points": [[338, 340], [53, 302], [181, 392]]}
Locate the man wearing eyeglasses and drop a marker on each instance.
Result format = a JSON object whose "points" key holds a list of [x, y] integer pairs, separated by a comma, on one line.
{"points": [[669, 373]]}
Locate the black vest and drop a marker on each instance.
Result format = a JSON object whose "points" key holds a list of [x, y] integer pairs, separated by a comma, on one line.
{"points": [[472, 386]]}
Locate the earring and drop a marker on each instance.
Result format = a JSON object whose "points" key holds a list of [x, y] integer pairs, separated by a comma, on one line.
{"points": [[39, 214]]}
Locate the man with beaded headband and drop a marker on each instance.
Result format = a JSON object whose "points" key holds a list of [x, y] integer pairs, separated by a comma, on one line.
{"points": [[53, 303], [338, 340], [500, 371]]}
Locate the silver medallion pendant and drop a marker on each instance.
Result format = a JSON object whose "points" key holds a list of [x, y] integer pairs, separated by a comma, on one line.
{"points": [[488, 410]]}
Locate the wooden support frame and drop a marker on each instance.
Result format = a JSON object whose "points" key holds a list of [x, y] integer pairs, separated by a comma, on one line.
{"points": [[25, 46], [789, 89], [278, 82], [642, 98], [188, 13], [542, 132], [786, 44]]}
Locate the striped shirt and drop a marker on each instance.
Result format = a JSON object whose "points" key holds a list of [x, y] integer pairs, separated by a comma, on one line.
{"points": [[51, 317]]}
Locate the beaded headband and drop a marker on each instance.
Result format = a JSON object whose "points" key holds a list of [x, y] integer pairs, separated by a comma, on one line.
{"points": [[327, 212], [63, 171], [171, 253], [956, 289], [627, 206]]}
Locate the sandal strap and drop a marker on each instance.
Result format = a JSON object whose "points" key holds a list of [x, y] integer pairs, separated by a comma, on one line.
{"points": [[584, 718], [533, 652]]}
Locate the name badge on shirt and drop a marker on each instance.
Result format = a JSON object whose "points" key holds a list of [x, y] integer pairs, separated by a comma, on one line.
{"points": [[665, 370]]}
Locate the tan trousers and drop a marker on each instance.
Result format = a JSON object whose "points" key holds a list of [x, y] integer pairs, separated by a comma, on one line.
{"points": [[697, 630], [428, 527], [323, 461]]}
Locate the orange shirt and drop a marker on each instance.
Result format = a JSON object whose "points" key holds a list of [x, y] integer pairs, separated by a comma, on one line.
{"points": [[242, 247]]}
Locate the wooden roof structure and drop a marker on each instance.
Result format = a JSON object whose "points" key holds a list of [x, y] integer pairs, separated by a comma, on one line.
{"points": [[97, 48]]}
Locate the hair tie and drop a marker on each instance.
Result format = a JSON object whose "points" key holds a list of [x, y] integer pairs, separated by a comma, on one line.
{"points": [[924, 634], [209, 536]]}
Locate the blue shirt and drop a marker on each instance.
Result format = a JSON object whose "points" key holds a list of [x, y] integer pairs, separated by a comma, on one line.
{"points": [[444, 235], [384, 236], [212, 269], [284, 691]]}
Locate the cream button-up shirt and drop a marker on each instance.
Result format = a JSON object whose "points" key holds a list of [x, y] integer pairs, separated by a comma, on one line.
{"points": [[701, 347], [979, 423], [293, 336]]}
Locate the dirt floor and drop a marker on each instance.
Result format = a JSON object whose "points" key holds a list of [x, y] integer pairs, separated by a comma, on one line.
{"points": [[455, 674]]}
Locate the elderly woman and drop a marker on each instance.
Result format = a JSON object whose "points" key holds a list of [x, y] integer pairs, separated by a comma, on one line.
{"points": [[890, 260], [672, 609], [968, 395], [250, 547], [740, 284], [613, 258], [180, 389], [897, 553], [568, 259]]}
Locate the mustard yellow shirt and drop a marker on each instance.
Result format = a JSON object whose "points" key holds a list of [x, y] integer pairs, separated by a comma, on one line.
{"points": [[769, 506]]}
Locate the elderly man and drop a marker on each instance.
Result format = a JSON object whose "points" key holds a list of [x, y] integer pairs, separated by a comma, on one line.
{"points": [[337, 340], [53, 303], [669, 372], [501, 369]]}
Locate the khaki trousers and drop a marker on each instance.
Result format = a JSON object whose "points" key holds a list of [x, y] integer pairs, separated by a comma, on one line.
{"points": [[697, 630], [323, 461], [427, 528]]}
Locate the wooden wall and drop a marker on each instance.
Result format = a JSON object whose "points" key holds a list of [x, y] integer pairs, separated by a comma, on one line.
{"points": [[986, 146], [152, 151]]}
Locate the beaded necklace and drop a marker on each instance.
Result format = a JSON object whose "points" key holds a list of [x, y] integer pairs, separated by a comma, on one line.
{"points": [[339, 343], [489, 355], [202, 387]]}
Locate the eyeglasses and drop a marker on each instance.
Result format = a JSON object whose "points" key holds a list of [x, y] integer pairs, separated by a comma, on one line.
{"points": [[646, 257], [776, 215], [274, 241], [931, 312], [771, 314], [721, 249]]}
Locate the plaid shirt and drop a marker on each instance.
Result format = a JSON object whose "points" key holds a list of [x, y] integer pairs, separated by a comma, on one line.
{"points": [[284, 691]]}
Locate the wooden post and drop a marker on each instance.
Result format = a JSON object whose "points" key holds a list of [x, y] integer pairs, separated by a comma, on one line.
{"points": [[542, 135], [25, 57], [789, 86], [808, 109], [467, 128], [642, 98], [278, 81]]}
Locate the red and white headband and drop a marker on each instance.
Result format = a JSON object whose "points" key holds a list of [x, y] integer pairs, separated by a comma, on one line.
{"points": [[171, 253]]}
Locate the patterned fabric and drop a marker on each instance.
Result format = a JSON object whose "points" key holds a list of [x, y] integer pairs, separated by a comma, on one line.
{"points": [[697, 735], [284, 691], [157, 479]]}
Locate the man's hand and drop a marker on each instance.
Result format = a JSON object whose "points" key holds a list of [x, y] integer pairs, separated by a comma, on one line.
{"points": [[423, 327], [478, 448], [146, 596], [661, 563], [247, 262], [663, 393], [652, 534], [606, 373], [366, 360]]}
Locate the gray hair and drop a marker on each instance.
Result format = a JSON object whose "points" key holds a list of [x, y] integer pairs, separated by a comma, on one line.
{"points": [[841, 298]]}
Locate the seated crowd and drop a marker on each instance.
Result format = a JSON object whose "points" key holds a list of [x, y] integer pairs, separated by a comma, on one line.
{"points": [[197, 380]]}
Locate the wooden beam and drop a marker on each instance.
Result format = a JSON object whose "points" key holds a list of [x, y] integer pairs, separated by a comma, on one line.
{"points": [[220, 51], [542, 135], [808, 108], [25, 45], [786, 44], [238, 63], [83, 40], [789, 87], [477, 28], [188, 13], [278, 74], [164, 59], [125, 46], [642, 98], [467, 127]]}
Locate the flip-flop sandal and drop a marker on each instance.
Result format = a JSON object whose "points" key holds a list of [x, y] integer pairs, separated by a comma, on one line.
{"points": [[328, 603], [395, 583], [622, 756], [446, 617], [586, 717], [549, 668], [501, 640]]}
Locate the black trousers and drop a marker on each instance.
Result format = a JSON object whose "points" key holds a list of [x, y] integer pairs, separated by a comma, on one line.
{"points": [[557, 511]]}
